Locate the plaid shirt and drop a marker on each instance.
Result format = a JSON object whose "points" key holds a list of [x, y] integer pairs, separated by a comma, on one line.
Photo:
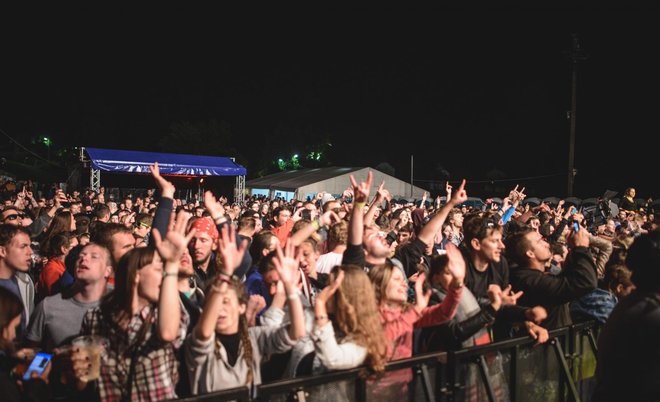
{"points": [[156, 366]]}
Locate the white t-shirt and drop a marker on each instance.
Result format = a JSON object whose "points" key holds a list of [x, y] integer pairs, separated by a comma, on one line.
{"points": [[327, 261]]}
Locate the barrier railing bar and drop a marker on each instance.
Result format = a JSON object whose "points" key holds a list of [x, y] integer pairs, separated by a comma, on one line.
{"points": [[426, 383], [483, 370], [556, 344], [513, 376], [592, 342], [446, 388]]}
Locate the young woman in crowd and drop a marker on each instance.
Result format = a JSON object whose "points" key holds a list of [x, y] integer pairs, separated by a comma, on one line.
{"points": [[143, 321], [222, 352], [347, 330], [36, 389], [399, 317]]}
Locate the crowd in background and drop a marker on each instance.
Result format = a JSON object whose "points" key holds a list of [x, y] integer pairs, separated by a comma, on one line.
{"points": [[196, 296]]}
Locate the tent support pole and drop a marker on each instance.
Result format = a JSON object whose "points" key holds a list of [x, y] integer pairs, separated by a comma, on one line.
{"points": [[95, 179]]}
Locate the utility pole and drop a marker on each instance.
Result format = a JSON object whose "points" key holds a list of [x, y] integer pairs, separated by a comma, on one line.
{"points": [[576, 55], [411, 175]]}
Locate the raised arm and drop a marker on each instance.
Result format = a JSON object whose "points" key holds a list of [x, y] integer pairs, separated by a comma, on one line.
{"points": [[435, 224], [232, 254], [170, 250], [165, 204], [360, 197], [287, 268], [323, 221]]}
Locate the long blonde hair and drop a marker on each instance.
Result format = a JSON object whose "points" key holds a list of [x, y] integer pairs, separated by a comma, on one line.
{"points": [[356, 316]]}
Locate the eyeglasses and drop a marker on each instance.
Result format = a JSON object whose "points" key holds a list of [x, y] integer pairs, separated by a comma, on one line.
{"points": [[13, 217]]}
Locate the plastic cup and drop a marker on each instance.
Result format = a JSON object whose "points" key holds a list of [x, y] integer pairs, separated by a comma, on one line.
{"points": [[93, 346]]}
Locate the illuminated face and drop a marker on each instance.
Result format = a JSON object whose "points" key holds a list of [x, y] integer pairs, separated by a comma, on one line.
{"points": [[540, 247], [308, 258], [375, 242], [457, 220], [122, 243], [93, 264], [229, 313], [491, 247], [150, 278], [17, 254], [186, 268], [270, 280], [397, 288], [283, 217], [201, 246]]}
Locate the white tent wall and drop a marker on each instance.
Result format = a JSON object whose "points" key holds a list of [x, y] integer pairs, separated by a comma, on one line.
{"points": [[336, 185]]}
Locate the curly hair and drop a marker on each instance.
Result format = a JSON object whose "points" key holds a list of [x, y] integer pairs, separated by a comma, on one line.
{"points": [[356, 315]]}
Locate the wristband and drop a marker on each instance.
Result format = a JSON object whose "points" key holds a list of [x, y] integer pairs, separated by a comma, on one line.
{"points": [[166, 274], [316, 224], [293, 296], [321, 317], [359, 205]]}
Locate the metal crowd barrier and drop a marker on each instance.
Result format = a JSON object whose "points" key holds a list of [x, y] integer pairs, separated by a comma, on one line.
{"points": [[560, 370]]}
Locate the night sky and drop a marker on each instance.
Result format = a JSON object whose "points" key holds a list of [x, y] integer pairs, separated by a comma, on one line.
{"points": [[464, 90]]}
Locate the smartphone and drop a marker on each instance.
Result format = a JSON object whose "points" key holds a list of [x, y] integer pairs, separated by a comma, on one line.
{"points": [[573, 210], [576, 227], [38, 365]]}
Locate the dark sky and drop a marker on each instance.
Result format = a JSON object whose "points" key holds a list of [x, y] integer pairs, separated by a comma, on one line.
{"points": [[467, 89]]}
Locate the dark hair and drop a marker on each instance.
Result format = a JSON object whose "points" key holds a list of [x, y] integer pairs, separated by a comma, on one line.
{"points": [[103, 234], [517, 246], [476, 226], [7, 232], [56, 243], [116, 306], [643, 259], [11, 307]]}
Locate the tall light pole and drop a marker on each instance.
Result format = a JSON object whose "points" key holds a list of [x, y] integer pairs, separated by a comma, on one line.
{"points": [[576, 54]]}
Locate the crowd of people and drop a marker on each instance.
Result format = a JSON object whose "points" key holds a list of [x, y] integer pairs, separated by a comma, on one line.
{"points": [[202, 296]]}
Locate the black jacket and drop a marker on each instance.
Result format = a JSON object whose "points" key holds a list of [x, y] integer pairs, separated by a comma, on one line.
{"points": [[554, 292]]}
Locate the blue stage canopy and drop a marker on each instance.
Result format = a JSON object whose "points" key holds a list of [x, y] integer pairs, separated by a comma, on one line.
{"points": [[120, 161]]}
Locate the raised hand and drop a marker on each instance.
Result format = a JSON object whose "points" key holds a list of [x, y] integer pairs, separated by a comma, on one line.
{"points": [[509, 297], [495, 296], [166, 187], [328, 218], [361, 191], [460, 195], [421, 298], [231, 252], [172, 248], [215, 208], [456, 263], [330, 290], [287, 264]]}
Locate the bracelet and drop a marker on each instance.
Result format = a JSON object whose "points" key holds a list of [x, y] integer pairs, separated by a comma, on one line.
{"points": [[321, 317], [293, 296], [166, 274], [457, 285]]}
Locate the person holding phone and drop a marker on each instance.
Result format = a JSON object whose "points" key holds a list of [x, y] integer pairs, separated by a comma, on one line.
{"points": [[34, 387]]}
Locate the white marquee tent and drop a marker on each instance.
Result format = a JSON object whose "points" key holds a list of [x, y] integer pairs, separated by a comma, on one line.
{"points": [[304, 183]]}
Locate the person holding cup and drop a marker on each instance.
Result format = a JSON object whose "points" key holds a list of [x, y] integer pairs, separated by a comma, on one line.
{"points": [[143, 323]]}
